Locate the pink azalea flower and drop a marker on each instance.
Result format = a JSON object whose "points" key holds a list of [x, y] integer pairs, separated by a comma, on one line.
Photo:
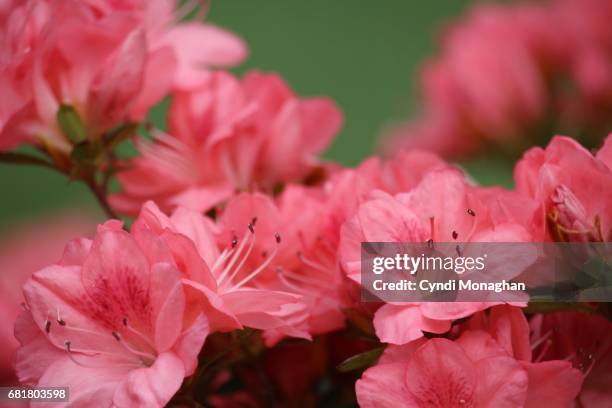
{"points": [[221, 281], [110, 61], [442, 208], [227, 135], [562, 181], [110, 321], [584, 341], [18, 262], [305, 260], [487, 365]]}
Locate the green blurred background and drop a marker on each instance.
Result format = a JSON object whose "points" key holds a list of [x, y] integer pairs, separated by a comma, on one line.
{"points": [[364, 54]]}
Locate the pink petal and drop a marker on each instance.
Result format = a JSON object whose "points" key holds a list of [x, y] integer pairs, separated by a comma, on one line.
{"points": [[168, 300], [198, 46], [384, 386], [605, 152], [511, 330], [88, 386], [191, 341], [153, 386], [502, 383], [552, 384], [321, 120], [440, 375], [401, 324], [36, 353], [157, 82]]}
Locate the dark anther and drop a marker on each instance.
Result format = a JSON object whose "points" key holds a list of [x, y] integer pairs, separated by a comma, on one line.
{"points": [[278, 238], [459, 251], [61, 321], [430, 243], [116, 335], [251, 228], [264, 254], [234, 242], [471, 212], [455, 235], [47, 326], [125, 321], [67, 344], [254, 221]]}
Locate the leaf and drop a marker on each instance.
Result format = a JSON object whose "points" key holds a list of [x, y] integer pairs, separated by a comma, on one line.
{"points": [[71, 124], [360, 361]]}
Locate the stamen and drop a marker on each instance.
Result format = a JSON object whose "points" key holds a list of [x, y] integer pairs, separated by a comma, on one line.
{"points": [[242, 261], [67, 345], [471, 212], [277, 237], [234, 258], [432, 225], [430, 243], [47, 325], [290, 285], [543, 351], [138, 334], [60, 321], [541, 340], [312, 264], [223, 256], [591, 365], [459, 251], [455, 235], [300, 278], [139, 353], [261, 267]]}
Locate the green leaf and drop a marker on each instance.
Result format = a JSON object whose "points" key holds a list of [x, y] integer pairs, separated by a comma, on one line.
{"points": [[71, 124], [360, 361]]}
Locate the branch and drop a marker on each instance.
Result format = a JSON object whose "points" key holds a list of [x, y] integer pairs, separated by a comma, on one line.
{"points": [[100, 195], [26, 159]]}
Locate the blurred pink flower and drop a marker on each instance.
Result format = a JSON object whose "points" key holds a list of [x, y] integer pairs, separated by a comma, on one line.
{"points": [[18, 262], [443, 208], [227, 135], [562, 181], [583, 340], [488, 364], [110, 61], [109, 321], [554, 69]]}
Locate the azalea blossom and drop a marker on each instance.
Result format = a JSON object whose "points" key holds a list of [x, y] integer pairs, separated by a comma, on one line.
{"points": [[110, 321], [219, 280], [442, 208], [305, 261], [105, 62], [228, 135], [489, 364], [18, 262], [584, 341], [561, 181]]}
